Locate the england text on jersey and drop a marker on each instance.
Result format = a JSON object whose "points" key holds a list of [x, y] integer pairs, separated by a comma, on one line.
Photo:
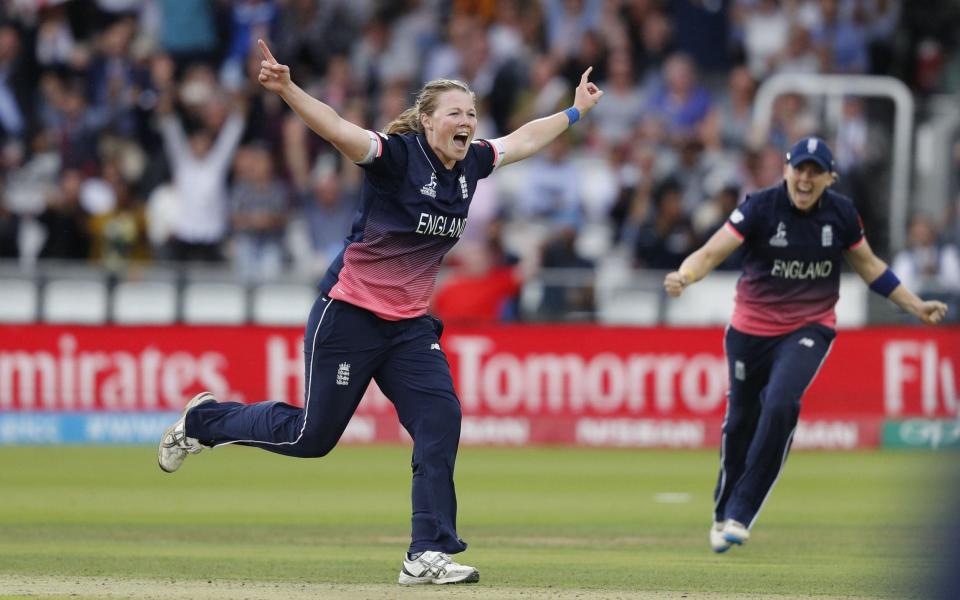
{"points": [[801, 269], [441, 225]]}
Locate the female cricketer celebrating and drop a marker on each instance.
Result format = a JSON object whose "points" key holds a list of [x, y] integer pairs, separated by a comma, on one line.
{"points": [[371, 321], [783, 321]]}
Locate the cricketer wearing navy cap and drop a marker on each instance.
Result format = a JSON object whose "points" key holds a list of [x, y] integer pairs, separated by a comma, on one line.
{"points": [[811, 149], [371, 321], [795, 236]]}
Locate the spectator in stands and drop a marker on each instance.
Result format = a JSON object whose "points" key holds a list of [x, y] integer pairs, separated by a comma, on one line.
{"points": [[199, 163], [67, 225], [711, 216], [119, 234], [188, 30], [553, 184], [842, 40], [115, 79], [17, 85], [734, 110], [681, 102], [56, 46], [792, 118], [667, 237], [568, 286], [544, 93], [9, 231], [762, 28], [928, 266], [652, 45], [484, 285], [33, 173], [259, 203], [568, 23], [633, 204], [249, 21], [592, 52], [319, 232], [799, 56], [620, 113], [73, 122]]}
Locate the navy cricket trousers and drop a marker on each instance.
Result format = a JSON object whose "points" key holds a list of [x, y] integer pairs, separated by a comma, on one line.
{"points": [[344, 348], [768, 377]]}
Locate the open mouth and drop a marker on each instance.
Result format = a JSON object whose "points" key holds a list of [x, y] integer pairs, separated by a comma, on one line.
{"points": [[461, 140]]}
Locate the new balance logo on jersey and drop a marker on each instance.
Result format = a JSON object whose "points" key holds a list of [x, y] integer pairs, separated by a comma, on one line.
{"points": [[739, 370], [434, 346], [343, 374], [430, 189], [807, 342], [780, 238], [799, 269]]}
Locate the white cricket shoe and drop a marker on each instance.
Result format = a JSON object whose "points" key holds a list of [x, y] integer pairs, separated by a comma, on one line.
{"points": [[435, 567], [735, 532], [717, 542], [174, 443]]}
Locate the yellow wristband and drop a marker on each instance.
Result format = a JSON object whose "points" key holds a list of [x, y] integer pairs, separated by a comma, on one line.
{"points": [[688, 275]]}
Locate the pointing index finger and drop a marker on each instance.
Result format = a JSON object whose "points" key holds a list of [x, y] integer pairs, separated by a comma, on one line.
{"points": [[266, 51], [586, 74]]}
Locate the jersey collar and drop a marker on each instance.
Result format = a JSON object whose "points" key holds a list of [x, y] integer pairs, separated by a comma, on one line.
{"points": [[427, 152]]}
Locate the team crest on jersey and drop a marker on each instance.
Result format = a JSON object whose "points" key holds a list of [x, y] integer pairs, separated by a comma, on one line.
{"points": [[826, 236], [463, 186], [779, 239], [343, 374], [430, 189]]}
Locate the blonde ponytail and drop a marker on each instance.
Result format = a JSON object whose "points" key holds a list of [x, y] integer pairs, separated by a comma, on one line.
{"points": [[407, 122]]}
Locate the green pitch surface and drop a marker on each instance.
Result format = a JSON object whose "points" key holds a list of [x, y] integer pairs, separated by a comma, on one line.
{"points": [[557, 523]]}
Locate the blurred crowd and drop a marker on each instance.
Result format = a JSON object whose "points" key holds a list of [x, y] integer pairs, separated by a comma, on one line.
{"points": [[135, 130]]}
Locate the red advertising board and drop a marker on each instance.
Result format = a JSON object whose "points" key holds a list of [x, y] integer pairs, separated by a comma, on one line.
{"points": [[581, 384]]}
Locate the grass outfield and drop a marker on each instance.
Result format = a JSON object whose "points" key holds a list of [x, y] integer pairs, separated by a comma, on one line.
{"points": [[239, 523]]}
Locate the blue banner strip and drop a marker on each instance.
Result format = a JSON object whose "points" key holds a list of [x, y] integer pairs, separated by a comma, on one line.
{"points": [[100, 428]]}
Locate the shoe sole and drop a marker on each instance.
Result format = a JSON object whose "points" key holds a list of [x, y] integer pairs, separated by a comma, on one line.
{"points": [[405, 579], [733, 539], [201, 398]]}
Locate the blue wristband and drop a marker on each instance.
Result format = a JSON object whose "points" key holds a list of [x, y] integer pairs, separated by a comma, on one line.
{"points": [[885, 284], [573, 115]]}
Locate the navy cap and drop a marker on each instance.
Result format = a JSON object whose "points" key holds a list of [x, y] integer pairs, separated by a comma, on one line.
{"points": [[813, 149]]}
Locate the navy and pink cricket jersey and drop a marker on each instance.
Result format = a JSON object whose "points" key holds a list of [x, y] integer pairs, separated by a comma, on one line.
{"points": [[413, 210], [792, 260]]}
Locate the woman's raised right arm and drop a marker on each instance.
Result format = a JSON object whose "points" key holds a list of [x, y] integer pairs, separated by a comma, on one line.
{"points": [[351, 140]]}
